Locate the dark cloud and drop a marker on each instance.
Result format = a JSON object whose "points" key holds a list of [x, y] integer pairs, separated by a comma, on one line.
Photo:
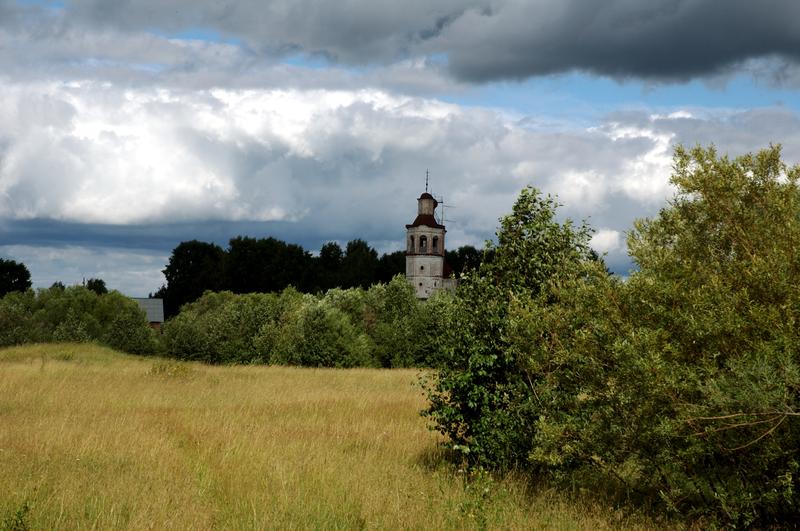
{"points": [[357, 32], [652, 39], [200, 41]]}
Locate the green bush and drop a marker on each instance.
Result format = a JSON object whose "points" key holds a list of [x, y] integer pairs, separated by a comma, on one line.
{"points": [[712, 339], [432, 331], [322, 336], [219, 327], [126, 333], [392, 323], [75, 328]]}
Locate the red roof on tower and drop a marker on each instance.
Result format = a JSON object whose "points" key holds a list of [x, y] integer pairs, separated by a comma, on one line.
{"points": [[426, 220]]}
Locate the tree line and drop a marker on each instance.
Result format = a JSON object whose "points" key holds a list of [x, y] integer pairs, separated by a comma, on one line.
{"points": [[381, 326], [269, 265]]}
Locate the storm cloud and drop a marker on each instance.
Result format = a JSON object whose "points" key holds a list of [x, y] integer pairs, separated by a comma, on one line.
{"points": [[475, 40], [660, 40], [478, 40]]}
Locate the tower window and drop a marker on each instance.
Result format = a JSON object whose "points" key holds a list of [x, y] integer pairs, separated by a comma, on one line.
{"points": [[423, 244], [435, 244], [422, 268], [411, 244]]}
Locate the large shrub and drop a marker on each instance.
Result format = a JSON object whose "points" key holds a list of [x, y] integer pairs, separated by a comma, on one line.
{"points": [[17, 325], [321, 335], [393, 323], [681, 385], [222, 327]]}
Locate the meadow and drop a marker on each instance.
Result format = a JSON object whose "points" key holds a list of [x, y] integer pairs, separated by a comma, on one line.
{"points": [[94, 439]]}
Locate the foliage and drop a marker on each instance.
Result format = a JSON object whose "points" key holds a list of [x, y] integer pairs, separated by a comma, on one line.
{"points": [[124, 330], [329, 266], [480, 398], [265, 265], [713, 313], [463, 259], [678, 387], [14, 276], [390, 265], [322, 336], [359, 265], [223, 327], [75, 314], [17, 325], [74, 328]]}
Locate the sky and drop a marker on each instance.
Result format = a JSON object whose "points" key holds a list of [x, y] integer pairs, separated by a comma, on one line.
{"points": [[128, 127]]}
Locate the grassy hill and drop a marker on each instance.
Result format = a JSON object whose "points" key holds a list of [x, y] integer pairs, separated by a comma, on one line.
{"points": [[90, 438]]}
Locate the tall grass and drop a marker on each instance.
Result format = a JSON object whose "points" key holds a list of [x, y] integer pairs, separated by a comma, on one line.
{"points": [[90, 438]]}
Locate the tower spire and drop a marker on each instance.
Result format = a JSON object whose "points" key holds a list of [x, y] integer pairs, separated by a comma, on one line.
{"points": [[426, 181]]}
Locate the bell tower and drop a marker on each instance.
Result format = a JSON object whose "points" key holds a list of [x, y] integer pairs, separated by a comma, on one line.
{"points": [[425, 264]]}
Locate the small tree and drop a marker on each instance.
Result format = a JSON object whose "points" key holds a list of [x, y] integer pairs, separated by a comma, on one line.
{"points": [[480, 398], [97, 285], [14, 276], [322, 336]]}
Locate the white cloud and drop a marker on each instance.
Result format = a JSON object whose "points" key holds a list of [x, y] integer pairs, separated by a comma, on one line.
{"points": [[606, 241], [336, 163], [91, 152], [645, 178]]}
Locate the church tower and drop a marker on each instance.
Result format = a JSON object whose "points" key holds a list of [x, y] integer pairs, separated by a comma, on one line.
{"points": [[425, 264]]}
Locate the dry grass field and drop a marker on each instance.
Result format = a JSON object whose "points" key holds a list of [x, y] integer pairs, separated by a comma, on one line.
{"points": [[94, 439]]}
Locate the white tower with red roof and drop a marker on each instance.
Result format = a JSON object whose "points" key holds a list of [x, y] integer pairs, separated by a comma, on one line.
{"points": [[426, 270]]}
